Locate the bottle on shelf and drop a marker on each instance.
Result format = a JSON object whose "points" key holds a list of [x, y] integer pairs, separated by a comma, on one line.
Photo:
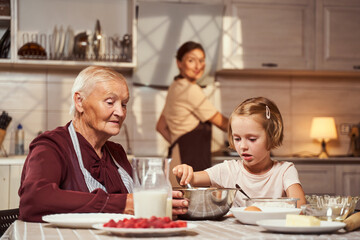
{"points": [[19, 140]]}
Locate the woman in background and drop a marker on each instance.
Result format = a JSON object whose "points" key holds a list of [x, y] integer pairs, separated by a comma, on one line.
{"points": [[188, 115]]}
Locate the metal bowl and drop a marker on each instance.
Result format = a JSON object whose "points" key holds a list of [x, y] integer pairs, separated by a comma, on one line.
{"points": [[207, 203]]}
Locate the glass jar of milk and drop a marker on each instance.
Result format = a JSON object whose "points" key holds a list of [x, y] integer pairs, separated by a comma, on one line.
{"points": [[151, 187]]}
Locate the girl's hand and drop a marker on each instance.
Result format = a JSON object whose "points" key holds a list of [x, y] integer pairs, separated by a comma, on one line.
{"points": [[183, 172]]}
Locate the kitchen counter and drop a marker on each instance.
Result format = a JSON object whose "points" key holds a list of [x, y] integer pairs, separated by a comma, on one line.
{"points": [[13, 160], [309, 160]]}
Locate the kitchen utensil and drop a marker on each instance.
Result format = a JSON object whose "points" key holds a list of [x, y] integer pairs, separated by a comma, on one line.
{"points": [[330, 208], [250, 217], [152, 188], [242, 191], [32, 50], [207, 203], [5, 120], [283, 202], [188, 185], [80, 45], [5, 44], [97, 39]]}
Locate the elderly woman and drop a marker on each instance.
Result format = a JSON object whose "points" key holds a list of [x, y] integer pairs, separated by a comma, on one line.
{"points": [[74, 168]]}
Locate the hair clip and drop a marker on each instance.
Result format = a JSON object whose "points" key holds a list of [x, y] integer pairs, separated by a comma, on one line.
{"points": [[267, 113]]}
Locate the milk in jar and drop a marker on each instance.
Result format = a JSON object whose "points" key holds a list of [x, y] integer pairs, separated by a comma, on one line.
{"points": [[151, 189]]}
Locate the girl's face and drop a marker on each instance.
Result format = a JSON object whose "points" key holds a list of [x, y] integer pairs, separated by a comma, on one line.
{"points": [[250, 142], [192, 65]]}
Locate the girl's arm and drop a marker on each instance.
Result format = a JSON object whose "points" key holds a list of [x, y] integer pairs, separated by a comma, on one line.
{"points": [[186, 175], [296, 191]]}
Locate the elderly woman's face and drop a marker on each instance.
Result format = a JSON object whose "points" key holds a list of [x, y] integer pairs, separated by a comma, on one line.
{"points": [[105, 107], [192, 65]]}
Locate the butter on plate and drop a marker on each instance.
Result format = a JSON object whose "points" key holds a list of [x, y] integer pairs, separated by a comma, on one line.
{"points": [[293, 220]]}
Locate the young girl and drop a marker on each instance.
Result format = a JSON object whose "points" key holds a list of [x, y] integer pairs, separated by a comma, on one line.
{"points": [[255, 127]]}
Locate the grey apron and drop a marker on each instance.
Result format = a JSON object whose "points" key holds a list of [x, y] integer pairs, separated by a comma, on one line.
{"points": [[91, 182]]}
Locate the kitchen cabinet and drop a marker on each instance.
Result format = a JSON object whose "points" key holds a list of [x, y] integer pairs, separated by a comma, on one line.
{"points": [[263, 34], [348, 180], [10, 175], [315, 37], [338, 35], [317, 178], [54, 25]]}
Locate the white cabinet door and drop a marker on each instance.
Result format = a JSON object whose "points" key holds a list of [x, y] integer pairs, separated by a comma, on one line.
{"points": [[4, 186], [338, 35], [317, 178], [348, 180], [14, 184], [268, 34]]}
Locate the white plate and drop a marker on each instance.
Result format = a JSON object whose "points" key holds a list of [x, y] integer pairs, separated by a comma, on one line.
{"points": [[145, 231], [250, 217], [82, 220], [61, 42], [279, 225], [69, 42]]}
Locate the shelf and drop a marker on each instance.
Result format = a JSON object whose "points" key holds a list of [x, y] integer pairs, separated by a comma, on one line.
{"points": [[287, 73], [58, 64], [117, 18], [6, 18]]}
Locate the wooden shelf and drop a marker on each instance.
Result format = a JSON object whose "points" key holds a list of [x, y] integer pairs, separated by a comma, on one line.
{"points": [[288, 73]]}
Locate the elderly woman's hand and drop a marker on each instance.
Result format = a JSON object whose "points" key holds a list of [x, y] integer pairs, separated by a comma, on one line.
{"points": [[180, 205]]}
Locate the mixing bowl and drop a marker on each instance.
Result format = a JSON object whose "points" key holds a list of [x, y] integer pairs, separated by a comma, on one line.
{"points": [[282, 202], [207, 203], [329, 208]]}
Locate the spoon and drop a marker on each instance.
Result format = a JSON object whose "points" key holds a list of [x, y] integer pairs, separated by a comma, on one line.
{"points": [[242, 191], [188, 185]]}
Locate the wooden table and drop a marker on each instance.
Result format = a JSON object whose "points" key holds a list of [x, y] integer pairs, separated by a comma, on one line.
{"points": [[226, 228]]}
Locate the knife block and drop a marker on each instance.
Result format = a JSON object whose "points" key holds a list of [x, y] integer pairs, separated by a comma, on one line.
{"points": [[2, 136]]}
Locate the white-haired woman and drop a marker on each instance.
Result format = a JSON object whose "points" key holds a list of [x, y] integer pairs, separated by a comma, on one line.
{"points": [[74, 168]]}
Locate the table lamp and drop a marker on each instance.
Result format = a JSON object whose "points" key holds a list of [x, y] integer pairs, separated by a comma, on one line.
{"points": [[323, 129]]}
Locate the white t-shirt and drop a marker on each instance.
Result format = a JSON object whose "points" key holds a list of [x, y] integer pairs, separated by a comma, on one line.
{"points": [[271, 184]]}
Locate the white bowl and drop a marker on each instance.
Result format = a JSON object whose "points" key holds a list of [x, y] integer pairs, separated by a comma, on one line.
{"points": [[250, 217]]}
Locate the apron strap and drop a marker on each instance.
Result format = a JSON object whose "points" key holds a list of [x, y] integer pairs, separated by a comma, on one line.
{"points": [[91, 182], [125, 177]]}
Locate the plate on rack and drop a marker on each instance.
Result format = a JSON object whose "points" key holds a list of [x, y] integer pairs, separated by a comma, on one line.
{"points": [[61, 35], [69, 42], [145, 231], [279, 225], [82, 220]]}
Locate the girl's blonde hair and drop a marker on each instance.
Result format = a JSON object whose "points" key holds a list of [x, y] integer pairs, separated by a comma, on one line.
{"points": [[87, 79], [268, 115]]}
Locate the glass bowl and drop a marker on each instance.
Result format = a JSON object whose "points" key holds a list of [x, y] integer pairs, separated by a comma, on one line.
{"points": [[282, 202], [329, 208]]}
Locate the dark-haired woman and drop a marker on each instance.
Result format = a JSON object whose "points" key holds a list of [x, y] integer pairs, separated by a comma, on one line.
{"points": [[188, 115]]}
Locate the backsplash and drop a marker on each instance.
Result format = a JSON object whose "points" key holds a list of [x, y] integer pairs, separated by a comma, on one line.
{"points": [[40, 100]]}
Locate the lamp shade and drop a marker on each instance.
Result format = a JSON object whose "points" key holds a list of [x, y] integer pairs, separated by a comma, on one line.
{"points": [[323, 128]]}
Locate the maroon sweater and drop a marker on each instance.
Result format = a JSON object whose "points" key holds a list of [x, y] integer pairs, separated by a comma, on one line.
{"points": [[52, 182]]}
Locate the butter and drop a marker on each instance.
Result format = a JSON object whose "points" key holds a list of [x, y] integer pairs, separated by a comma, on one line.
{"points": [[293, 220]]}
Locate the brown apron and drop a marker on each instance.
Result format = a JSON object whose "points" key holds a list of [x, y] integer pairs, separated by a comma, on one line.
{"points": [[195, 147]]}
